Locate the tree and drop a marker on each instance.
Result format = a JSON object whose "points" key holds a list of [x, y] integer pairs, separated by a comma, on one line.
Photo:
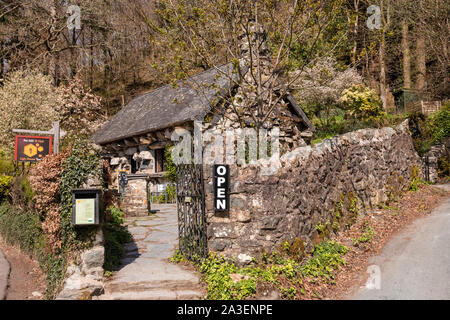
{"points": [[362, 102], [28, 100], [320, 87]]}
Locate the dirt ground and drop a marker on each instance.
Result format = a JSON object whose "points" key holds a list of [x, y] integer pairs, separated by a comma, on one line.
{"points": [[26, 280]]}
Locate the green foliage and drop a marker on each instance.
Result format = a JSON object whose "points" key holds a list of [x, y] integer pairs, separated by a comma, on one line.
{"points": [[28, 192], [177, 257], [415, 180], [362, 102], [217, 274], [438, 124], [22, 229], [6, 164], [288, 293], [115, 234], [169, 165], [323, 230], [326, 259], [428, 131], [275, 269], [79, 165], [116, 216], [5, 186], [367, 234]]}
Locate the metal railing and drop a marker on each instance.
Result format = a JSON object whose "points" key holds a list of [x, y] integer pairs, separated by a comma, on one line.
{"points": [[168, 196]]}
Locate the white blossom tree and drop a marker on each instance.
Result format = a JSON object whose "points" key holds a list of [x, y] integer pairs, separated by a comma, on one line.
{"points": [[28, 100]]}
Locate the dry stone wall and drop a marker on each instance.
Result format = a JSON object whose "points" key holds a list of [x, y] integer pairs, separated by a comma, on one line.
{"points": [[313, 191]]}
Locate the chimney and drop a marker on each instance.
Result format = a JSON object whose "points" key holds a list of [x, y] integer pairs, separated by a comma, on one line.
{"points": [[252, 42]]}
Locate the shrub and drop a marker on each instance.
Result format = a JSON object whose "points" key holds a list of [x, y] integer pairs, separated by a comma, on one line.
{"points": [[326, 259], [367, 234], [5, 186], [169, 165], [363, 103], [116, 234], [45, 180], [427, 131], [22, 229], [217, 273], [438, 124]]}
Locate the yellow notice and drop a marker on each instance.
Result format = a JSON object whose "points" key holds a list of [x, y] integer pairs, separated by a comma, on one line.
{"points": [[85, 211]]}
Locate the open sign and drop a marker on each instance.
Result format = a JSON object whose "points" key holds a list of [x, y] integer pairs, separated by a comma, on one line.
{"points": [[221, 176]]}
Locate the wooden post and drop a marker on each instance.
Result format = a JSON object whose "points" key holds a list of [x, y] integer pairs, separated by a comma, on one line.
{"points": [[55, 131], [56, 134]]}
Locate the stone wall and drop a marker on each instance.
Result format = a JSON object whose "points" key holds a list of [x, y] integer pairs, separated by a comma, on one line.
{"points": [[84, 278], [326, 185], [135, 200], [431, 162]]}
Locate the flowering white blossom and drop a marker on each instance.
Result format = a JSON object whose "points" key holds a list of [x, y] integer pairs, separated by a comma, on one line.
{"points": [[323, 83], [28, 100]]}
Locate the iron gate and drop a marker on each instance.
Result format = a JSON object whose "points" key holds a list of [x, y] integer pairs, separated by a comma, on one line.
{"points": [[191, 211]]}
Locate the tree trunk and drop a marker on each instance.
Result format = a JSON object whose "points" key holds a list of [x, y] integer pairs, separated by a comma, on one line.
{"points": [[382, 51], [406, 56], [421, 62], [355, 31]]}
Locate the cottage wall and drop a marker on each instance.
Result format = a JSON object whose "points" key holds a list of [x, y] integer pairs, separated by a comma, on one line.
{"points": [[328, 185]]}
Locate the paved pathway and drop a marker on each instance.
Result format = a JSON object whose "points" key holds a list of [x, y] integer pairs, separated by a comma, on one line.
{"points": [[4, 275], [416, 263], [146, 273]]}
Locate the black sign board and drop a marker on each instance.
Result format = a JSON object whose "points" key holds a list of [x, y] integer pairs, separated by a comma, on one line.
{"points": [[31, 148], [123, 181], [221, 176]]}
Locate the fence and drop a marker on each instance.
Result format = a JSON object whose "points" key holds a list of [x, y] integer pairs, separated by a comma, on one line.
{"points": [[168, 195]]}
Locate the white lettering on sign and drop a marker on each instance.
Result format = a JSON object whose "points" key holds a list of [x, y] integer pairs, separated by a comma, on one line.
{"points": [[221, 184]]}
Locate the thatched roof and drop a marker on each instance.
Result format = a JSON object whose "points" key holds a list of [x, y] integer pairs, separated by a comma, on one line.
{"points": [[170, 105]]}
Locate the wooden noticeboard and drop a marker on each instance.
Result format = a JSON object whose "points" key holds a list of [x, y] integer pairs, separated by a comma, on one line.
{"points": [[32, 148]]}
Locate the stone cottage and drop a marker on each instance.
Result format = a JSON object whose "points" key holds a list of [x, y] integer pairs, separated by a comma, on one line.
{"points": [[134, 140]]}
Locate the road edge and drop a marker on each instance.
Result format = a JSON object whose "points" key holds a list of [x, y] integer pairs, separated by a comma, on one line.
{"points": [[5, 270]]}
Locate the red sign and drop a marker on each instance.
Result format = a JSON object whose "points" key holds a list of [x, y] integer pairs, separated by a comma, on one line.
{"points": [[31, 149]]}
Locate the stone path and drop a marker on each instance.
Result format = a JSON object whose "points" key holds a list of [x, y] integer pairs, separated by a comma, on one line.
{"points": [[146, 273]]}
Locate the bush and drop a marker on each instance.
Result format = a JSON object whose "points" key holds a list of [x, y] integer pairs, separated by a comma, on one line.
{"points": [[438, 124], [22, 229], [427, 131], [362, 103], [5, 186], [326, 259], [116, 234], [6, 164]]}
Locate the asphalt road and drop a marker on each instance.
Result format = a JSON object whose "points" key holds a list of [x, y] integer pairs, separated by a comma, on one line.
{"points": [[4, 275], [416, 263]]}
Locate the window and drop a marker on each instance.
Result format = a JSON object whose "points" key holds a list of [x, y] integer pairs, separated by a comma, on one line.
{"points": [[159, 160]]}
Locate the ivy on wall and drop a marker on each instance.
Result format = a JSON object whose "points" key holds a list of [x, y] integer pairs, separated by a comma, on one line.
{"points": [[48, 234]]}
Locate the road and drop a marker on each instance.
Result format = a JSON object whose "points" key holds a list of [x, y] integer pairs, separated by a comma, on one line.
{"points": [[4, 275], [416, 263]]}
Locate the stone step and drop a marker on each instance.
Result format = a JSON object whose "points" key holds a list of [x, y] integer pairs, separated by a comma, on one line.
{"points": [[154, 294], [142, 286]]}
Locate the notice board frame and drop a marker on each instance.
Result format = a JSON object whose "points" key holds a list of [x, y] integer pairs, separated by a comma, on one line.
{"points": [[85, 193], [16, 138]]}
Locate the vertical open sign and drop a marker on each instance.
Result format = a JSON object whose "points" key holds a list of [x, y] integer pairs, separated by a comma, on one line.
{"points": [[221, 174]]}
